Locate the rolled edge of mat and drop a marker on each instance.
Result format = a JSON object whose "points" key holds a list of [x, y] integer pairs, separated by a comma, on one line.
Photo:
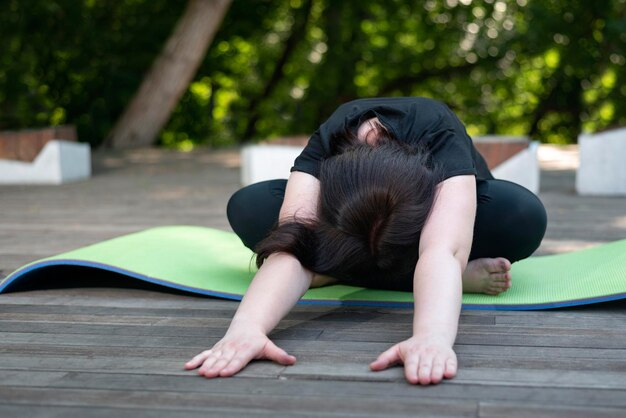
{"points": [[38, 266]]}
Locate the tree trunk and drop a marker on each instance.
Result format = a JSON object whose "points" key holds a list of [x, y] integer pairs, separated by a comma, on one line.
{"points": [[170, 75]]}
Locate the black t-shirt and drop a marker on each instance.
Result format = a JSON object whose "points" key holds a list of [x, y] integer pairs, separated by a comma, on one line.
{"points": [[415, 120]]}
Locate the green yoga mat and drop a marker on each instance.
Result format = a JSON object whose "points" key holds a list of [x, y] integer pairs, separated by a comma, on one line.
{"points": [[215, 263]]}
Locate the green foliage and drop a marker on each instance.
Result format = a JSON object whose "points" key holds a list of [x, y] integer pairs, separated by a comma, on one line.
{"points": [[545, 68], [78, 62]]}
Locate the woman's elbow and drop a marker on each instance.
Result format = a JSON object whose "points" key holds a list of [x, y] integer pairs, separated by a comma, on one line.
{"points": [[458, 254], [461, 255]]}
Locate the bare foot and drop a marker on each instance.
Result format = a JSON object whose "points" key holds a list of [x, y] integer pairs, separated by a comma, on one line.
{"points": [[487, 275]]}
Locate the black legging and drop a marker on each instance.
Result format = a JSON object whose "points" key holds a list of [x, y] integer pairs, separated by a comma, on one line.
{"points": [[510, 220]]}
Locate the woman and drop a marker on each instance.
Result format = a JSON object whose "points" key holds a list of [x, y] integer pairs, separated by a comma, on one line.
{"points": [[389, 192]]}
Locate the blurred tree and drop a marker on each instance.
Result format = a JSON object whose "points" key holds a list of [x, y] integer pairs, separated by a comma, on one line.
{"points": [[279, 67], [79, 62], [170, 75], [494, 61]]}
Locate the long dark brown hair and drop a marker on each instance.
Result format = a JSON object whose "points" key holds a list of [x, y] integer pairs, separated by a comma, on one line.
{"points": [[374, 202]]}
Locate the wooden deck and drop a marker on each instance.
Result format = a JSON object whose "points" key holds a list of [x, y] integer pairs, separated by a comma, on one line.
{"points": [[108, 352]]}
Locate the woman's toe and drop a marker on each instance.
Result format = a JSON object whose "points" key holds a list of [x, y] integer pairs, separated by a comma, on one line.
{"points": [[505, 264], [498, 277]]}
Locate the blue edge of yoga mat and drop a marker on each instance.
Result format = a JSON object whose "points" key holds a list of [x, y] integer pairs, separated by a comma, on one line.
{"points": [[23, 273]]}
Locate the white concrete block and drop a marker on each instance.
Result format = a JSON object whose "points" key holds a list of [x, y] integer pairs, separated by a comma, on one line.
{"points": [[267, 162], [522, 168], [602, 170], [58, 162]]}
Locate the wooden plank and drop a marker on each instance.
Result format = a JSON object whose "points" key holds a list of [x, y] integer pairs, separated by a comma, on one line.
{"points": [[13, 321], [284, 332], [362, 359], [560, 338], [249, 399], [137, 330], [308, 350], [543, 378], [477, 355], [26, 319], [533, 337], [25, 338], [56, 357], [567, 353], [225, 311], [115, 298], [13, 304], [93, 310], [39, 350], [329, 354], [484, 376], [614, 321], [323, 389], [81, 323], [534, 363], [600, 310], [130, 298], [524, 410], [121, 365], [49, 411], [112, 364]]}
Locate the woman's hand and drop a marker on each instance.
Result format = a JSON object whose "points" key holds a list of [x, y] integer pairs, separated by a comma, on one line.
{"points": [[426, 359], [232, 353]]}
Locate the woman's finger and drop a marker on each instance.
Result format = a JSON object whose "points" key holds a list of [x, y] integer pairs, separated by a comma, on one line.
{"points": [[450, 368], [425, 369], [237, 362], [411, 364], [436, 375], [386, 359], [210, 360], [220, 362], [235, 365], [272, 352], [198, 360], [206, 366]]}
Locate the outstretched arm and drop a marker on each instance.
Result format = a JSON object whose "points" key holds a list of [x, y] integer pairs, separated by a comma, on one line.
{"points": [[445, 244], [278, 285]]}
